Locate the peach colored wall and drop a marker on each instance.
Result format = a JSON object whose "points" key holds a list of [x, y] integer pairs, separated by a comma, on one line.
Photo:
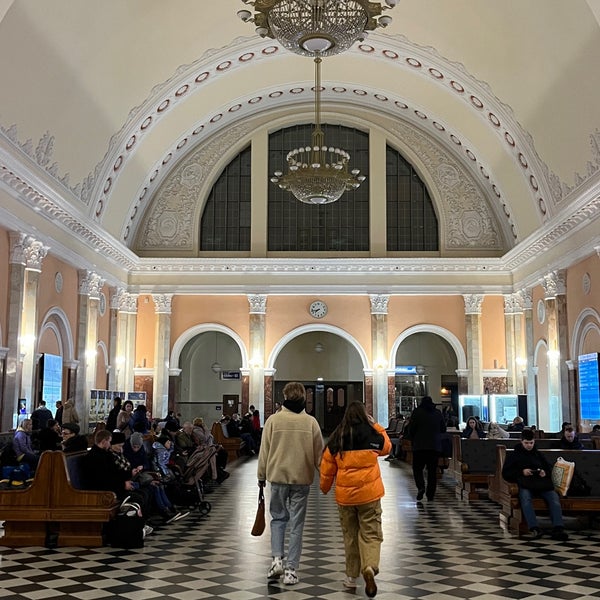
{"points": [[493, 333], [447, 312], [230, 311], [350, 313], [49, 343], [4, 257], [66, 300], [145, 332]]}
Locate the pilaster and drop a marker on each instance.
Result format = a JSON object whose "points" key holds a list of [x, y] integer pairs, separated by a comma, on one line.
{"points": [[257, 316], [473, 304], [379, 357], [162, 345]]}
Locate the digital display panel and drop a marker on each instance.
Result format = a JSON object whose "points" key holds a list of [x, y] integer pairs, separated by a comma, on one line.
{"points": [[589, 387], [52, 367]]}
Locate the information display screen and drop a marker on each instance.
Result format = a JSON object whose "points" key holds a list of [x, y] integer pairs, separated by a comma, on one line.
{"points": [[589, 387]]}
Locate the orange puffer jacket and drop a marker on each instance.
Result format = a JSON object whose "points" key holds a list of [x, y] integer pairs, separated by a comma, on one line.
{"points": [[356, 473]]}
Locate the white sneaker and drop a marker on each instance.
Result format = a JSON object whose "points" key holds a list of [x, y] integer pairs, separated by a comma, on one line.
{"points": [[350, 582], [276, 570], [290, 577], [147, 530]]}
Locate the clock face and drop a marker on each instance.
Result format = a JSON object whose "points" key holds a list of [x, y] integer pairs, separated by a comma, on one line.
{"points": [[318, 309]]}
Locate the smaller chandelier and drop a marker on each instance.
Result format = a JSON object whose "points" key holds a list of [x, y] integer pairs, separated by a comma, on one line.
{"points": [[308, 27], [318, 174]]}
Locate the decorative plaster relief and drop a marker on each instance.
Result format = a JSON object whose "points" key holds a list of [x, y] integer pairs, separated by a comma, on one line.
{"points": [[173, 216], [467, 218], [258, 304], [379, 304], [473, 303]]}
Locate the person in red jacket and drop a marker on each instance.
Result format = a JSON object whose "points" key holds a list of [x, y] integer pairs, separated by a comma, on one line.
{"points": [[350, 459]]}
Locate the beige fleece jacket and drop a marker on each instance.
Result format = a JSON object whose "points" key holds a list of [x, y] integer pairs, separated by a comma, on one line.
{"points": [[291, 447]]}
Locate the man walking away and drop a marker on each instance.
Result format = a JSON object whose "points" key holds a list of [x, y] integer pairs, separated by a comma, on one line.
{"points": [[290, 452], [425, 428]]}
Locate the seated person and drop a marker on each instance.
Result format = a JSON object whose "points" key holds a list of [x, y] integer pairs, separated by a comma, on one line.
{"points": [[49, 437], [473, 430], [184, 440], [203, 439], [163, 448], [101, 471], [570, 440], [22, 445], [234, 430], [528, 468], [495, 432], [518, 424], [595, 431], [71, 440]]}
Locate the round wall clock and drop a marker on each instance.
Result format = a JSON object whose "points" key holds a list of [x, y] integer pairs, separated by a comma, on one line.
{"points": [[318, 309]]}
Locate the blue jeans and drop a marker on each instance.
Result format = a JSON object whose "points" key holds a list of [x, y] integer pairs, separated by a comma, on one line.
{"points": [[288, 506], [550, 498]]}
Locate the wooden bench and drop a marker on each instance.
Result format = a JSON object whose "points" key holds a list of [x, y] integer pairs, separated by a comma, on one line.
{"points": [[587, 463], [233, 446], [52, 511], [474, 461]]}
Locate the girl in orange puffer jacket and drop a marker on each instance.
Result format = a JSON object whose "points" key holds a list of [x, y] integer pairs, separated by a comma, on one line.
{"points": [[350, 459]]}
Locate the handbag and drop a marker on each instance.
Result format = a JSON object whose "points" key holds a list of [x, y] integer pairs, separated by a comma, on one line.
{"points": [[259, 521], [562, 474]]}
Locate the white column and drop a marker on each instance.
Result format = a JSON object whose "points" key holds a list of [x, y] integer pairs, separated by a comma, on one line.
{"points": [[473, 304], [162, 348], [258, 311], [90, 285], [379, 359]]}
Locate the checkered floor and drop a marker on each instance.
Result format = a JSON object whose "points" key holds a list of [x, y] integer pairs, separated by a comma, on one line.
{"points": [[443, 550]]}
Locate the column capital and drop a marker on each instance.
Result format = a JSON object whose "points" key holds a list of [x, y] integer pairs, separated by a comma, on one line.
{"points": [[526, 296], [473, 303], [162, 303], [379, 304], [27, 251], [554, 284], [258, 304], [90, 284], [124, 301]]}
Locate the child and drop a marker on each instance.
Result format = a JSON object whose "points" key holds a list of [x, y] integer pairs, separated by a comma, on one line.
{"points": [[351, 459]]}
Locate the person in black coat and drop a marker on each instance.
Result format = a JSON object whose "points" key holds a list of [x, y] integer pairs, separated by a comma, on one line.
{"points": [[570, 440], [72, 441], [111, 420], [49, 437], [425, 430], [40, 417], [528, 468], [101, 471]]}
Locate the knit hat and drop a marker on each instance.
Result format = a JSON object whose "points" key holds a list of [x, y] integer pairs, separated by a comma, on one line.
{"points": [[136, 439], [117, 438], [72, 427]]}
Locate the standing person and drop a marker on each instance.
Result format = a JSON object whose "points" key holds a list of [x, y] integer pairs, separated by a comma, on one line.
{"points": [[69, 414], [528, 468], [40, 416], [350, 459], [111, 421], [425, 428], [124, 417], [59, 412], [290, 451]]}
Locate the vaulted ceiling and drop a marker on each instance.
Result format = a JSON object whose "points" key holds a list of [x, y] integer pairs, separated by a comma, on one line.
{"points": [[100, 101]]}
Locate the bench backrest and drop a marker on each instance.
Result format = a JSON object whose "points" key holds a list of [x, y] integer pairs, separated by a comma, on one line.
{"points": [[75, 466]]}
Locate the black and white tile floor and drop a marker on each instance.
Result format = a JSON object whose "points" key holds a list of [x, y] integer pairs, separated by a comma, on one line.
{"points": [[445, 550]]}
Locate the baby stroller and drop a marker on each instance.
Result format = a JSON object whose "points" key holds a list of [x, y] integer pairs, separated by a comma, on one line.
{"points": [[188, 487]]}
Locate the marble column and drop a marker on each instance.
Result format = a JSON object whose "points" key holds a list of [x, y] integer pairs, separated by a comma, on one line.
{"points": [[268, 403], [558, 349], [25, 264], [511, 344], [530, 377], [379, 357], [473, 304], [162, 349], [90, 285], [257, 315]]}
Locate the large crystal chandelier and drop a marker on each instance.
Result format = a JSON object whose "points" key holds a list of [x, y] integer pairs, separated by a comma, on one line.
{"points": [[310, 26], [318, 174]]}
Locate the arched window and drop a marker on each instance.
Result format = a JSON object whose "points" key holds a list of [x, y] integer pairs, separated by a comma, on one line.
{"points": [[342, 226], [411, 220], [225, 222]]}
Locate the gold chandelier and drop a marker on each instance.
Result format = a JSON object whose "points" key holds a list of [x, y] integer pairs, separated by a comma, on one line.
{"points": [[309, 26], [318, 174]]}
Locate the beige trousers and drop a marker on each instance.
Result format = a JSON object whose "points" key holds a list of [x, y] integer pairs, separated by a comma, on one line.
{"points": [[361, 528]]}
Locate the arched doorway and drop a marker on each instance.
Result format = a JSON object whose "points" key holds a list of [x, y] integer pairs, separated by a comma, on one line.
{"points": [[331, 369]]}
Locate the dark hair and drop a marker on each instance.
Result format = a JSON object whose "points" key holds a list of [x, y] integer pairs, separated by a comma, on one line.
{"points": [[50, 423], [355, 414], [126, 403], [527, 434]]}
